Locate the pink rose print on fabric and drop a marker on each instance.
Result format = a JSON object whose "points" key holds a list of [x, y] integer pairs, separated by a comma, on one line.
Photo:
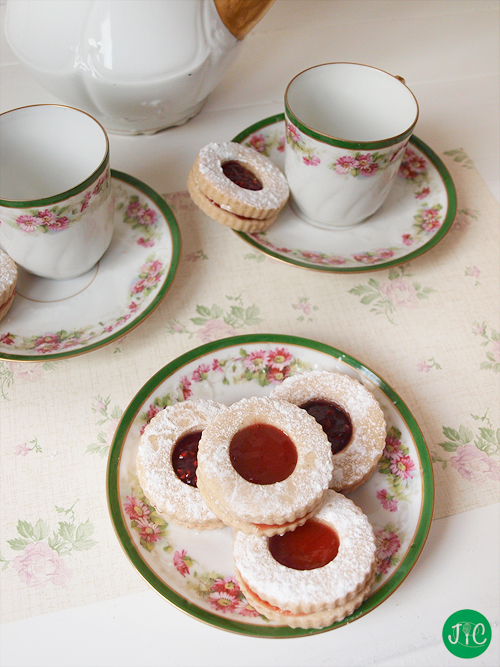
{"points": [[22, 450], [401, 293], [474, 464], [215, 330], [38, 565]]}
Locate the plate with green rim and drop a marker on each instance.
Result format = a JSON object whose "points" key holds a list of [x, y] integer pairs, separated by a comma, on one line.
{"points": [[415, 217], [56, 319], [193, 570]]}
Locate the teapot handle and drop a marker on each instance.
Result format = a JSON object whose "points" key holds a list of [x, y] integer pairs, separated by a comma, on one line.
{"points": [[240, 16]]}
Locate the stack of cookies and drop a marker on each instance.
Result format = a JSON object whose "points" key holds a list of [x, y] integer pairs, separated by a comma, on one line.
{"points": [[237, 186], [273, 469]]}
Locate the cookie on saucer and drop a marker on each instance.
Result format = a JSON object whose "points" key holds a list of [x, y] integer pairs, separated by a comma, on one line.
{"points": [[237, 186]]}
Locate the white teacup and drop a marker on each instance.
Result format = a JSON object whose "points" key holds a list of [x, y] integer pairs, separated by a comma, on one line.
{"points": [[347, 126], [56, 203]]}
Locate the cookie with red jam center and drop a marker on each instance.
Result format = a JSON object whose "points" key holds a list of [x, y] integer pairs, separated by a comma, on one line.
{"points": [[167, 463], [314, 576], [350, 416], [264, 466], [237, 186]]}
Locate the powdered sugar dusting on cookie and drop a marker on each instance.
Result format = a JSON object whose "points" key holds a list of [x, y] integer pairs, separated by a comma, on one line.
{"points": [[276, 503], [8, 275], [173, 498], [359, 458], [313, 590], [275, 189]]}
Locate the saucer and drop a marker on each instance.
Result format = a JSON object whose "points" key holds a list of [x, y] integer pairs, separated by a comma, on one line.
{"points": [[194, 570], [56, 319], [417, 214]]}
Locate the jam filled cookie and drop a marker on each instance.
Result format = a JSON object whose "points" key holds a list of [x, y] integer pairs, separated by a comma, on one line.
{"points": [[314, 576], [237, 186], [264, 466], [8, 280], [350, 416], [167, 463]]}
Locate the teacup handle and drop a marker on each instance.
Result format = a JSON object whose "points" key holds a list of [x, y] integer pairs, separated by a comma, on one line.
{"points": [[400, 78]]}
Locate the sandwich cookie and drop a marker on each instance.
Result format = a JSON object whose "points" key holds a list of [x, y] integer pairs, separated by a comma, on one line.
{"points": [[167, 463], [350, 416], [264, 466]]}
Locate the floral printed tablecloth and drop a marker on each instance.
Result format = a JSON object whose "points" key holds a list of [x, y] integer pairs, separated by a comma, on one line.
{"points": [[429, 328]]}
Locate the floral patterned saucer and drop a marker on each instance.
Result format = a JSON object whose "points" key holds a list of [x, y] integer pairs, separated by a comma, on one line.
{"points": [[417, 214], [55, 319], [194, 570]]}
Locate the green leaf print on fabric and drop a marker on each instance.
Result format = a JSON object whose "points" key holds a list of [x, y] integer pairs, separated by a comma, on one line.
{"points": [[387, 297], [491, 341], [216, 321], [108, 418], [459, 155], [40, 560], [305, 308]]}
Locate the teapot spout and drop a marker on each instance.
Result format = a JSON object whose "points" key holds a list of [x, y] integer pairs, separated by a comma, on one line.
{"points": [[240, 16]]}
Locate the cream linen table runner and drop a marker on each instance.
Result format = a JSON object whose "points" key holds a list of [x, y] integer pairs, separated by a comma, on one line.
{"points": [[430, 330]]}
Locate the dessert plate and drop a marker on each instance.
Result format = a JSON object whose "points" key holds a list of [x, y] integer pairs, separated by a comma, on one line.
{"points": [[56, 319], [194, 569], [417, 214]]}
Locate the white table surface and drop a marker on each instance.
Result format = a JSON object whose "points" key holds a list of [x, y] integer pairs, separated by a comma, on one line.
{"points": [[448, 52]]}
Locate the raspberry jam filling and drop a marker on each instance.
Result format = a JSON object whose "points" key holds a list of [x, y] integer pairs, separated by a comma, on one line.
{"points": [[262, 454], [335, 421], [185, 458], [307, 547], [241, 175]]}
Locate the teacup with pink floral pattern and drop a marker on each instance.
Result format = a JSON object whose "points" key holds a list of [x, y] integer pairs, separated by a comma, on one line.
{"points": [[56, 203], [347, 126]]}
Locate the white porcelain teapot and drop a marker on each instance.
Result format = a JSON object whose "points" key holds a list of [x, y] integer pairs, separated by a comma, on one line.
{"points": [[138, 66]]}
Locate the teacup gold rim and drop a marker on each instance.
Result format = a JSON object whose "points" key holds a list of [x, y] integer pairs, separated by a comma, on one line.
{"points": [[76, 189], [347, 143]]}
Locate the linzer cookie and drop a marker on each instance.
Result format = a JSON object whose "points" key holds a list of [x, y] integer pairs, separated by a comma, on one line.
{"points": [[264, 466], [237, 186], [350, 416], [167, 463], [315, 575], [8, 280]]}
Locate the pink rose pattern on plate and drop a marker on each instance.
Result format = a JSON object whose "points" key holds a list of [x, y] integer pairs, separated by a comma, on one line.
{"points": [[414, 170], [397, 475], [141, 291]]}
